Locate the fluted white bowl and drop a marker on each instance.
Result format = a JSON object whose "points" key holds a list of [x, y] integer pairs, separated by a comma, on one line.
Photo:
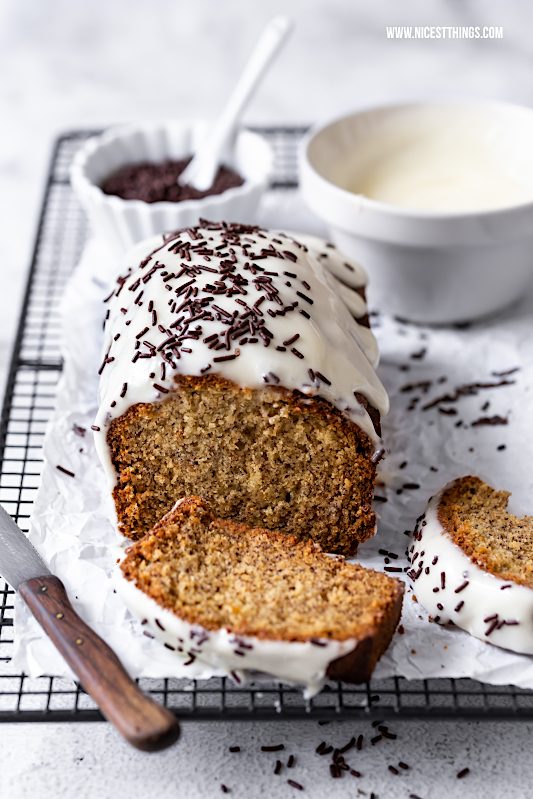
{"points": [[122, 223]]}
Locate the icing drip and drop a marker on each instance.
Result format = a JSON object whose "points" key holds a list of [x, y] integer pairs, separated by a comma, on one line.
{"points": [[350, 283]]}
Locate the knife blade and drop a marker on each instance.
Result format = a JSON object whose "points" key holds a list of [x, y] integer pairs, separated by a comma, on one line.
{"points": [[144, 723], [19, 560]]}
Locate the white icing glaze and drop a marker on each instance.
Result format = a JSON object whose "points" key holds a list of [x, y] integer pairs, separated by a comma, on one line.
{"points": [[347, 270], [489, 608], [299, 663], [317, 325], [350, 282]]}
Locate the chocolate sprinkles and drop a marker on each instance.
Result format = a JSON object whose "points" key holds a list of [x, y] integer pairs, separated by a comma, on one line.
{"points": [[462, 587], [65, 471]]}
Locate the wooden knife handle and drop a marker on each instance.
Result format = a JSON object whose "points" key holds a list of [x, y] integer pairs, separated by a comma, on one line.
{"points": [[144, 723]]}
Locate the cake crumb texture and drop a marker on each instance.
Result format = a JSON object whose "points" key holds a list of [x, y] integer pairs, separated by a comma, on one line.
{"points": [[476, 517], [265, 457], [218, 573]]}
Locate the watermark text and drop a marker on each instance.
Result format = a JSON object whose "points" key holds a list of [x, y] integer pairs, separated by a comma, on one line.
{"points": [[444, 31]]}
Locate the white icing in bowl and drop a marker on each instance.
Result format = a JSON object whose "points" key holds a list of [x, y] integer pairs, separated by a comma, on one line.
{"points": [[426, 265]]}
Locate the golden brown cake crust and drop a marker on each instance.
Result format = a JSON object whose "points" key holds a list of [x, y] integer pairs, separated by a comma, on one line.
{"points": [[218, 573], [475, 516], [269, 457]]}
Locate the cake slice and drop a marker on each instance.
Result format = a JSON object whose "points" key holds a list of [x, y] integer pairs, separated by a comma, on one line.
{"points": [[472, 564], [233, 370], [249, 600]]}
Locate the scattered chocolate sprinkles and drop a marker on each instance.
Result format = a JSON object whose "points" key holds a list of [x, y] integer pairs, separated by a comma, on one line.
{"points": [[65, 471], [304, 297], [291, 340], [462, 587], [486, 421], [447, 411], [295, 784], [348, 746], [506, 372], [321, 377], [466, 390], [419, 355]]}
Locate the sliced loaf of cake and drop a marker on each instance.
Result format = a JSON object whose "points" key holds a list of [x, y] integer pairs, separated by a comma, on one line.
{"points": [[248, 600], [232, 369], [472, 564]]}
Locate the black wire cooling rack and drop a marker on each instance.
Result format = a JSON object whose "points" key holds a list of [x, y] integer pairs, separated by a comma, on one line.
{"points": [[29, 400]]}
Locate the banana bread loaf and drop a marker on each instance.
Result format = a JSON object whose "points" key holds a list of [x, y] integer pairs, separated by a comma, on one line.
{"points": [[233, 370]]}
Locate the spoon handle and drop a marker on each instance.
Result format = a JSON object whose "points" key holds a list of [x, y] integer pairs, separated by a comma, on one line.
{"points": [[267, 47], [201, 171]]}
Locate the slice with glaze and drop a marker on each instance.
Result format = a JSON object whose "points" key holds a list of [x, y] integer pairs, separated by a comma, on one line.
{"points": [[472, 564], [248, 600]]}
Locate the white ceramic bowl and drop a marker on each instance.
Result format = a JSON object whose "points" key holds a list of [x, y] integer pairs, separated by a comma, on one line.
{"points": [[122, 223], [424, 266]]}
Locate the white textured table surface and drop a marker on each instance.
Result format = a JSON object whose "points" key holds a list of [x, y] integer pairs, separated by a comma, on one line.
{"points": [[70, 64], [87, 761]]}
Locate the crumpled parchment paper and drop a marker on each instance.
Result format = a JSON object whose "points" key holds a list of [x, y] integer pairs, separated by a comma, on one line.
{"points": [[73, 521]]}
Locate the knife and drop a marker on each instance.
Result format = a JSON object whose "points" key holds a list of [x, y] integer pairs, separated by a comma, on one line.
{"points": [[142, 722]]}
